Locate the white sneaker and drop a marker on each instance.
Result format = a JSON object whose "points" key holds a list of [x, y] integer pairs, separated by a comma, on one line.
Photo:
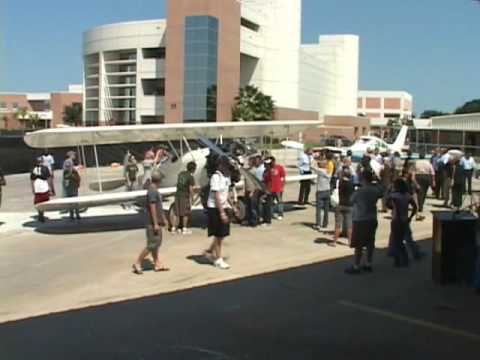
{"points": [[186, 232], [280, 218], [221, 264], [173, 230]]}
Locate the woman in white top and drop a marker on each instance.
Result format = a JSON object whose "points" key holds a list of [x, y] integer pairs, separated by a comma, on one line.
{"points": [[217, 206], [39, 178]]}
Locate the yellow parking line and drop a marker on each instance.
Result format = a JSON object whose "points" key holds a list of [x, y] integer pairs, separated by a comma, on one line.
{"points": [[410, 320]]}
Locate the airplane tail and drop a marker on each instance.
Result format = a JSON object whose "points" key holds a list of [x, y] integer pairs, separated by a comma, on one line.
{"points": [[401, 139]]}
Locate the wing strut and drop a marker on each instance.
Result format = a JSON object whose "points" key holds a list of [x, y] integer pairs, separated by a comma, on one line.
{"points": [[99, 176]]}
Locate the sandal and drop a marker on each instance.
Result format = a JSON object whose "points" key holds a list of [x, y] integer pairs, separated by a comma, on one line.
{"points": [[137, 270], [162, 269]]}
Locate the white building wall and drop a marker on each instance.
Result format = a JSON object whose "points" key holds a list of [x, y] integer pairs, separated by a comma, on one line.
{"points": [[280, 33], [329, 75], [113, 39]]}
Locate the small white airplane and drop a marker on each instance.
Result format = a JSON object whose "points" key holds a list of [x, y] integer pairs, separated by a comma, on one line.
{"points": [[109, 135], [366, 143]]}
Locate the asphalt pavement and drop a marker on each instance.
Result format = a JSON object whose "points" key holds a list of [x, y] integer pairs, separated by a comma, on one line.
{"points": [[312, 312]]}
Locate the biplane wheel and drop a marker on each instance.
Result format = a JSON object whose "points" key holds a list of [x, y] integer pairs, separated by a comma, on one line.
{"points": [[241, 210]]}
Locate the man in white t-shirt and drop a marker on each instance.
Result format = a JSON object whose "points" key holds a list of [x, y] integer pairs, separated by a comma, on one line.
{"points": [[217, 207], [49, 162]]}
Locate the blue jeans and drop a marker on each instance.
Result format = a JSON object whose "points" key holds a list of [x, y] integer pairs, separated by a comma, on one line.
{"points": [[252, 209], [278, 198], [323, 204], [399, 231]]}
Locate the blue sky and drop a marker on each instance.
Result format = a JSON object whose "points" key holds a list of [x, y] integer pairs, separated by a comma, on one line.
{"points": [[430, 48]]}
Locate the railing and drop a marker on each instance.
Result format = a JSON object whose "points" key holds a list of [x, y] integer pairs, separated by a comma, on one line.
{"points": [[427, 148]]}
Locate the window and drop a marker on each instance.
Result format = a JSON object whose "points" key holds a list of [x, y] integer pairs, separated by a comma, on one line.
{"points": [[154, 87], [153, 119], [392, 116], [15, 106], [154, 53], [249, 24], [201, 61], [3, 106]]}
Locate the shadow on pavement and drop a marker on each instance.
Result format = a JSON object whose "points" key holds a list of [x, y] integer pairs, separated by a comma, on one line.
{"points": [[200, 259], [95, 224]]}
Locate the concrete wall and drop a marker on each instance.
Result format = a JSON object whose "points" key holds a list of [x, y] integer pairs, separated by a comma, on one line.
{"points": [[329, 75]]}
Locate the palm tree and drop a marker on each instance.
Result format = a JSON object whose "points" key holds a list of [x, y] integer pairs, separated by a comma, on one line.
{"points": [[5, 121], [72, 114], [35, 120], [253, 105], [22, 116]]}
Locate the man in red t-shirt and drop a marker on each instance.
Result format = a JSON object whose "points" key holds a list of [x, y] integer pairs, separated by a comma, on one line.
{"points": [[274, 179]]}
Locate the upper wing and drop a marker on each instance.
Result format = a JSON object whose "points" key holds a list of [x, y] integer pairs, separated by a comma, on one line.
{"points": [[107, 135], [89, 201]]}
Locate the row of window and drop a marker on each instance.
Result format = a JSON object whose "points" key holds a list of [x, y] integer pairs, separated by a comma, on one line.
{"points": [[14, 106]]}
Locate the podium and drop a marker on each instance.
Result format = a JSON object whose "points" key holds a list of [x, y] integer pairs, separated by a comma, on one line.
{"points": [[454, 247]]}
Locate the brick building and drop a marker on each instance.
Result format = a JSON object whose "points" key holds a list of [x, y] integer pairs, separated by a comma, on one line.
{"points": [[36, 110]]}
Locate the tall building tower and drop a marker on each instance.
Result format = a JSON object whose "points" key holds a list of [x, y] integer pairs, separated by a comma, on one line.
{"points": [[280, 31]]}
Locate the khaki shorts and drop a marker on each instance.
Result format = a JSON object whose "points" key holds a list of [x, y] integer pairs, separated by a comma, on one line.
{"points": [[343, 215], [183, 206], [154, 240]]}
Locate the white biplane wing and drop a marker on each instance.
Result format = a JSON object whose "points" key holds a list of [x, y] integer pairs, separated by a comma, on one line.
{"points": [[109, 135], [88, 201]]}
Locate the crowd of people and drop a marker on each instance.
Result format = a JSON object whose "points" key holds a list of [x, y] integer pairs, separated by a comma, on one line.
{"points": [[354, 191], [351, 191]]}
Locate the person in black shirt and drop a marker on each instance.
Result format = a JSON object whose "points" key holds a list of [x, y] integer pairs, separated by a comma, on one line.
{"points": [[343, 212], [400, 201], [458, 183]]}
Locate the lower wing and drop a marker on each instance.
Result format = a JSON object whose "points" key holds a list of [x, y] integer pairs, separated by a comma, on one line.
{"points": [[89, 201]]}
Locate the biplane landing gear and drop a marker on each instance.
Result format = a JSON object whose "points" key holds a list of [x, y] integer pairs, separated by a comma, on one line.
{"points": [[240, 211]]}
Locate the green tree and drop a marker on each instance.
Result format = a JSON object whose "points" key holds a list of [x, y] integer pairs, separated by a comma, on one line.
{"points": [[427, 114], [6, 121], [22, 116], [35, 120], [253, 105], [72, 114], [469, 107]]}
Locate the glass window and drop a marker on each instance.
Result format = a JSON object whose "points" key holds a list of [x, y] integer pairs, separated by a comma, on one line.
{"points": [[3, 105], [249, 24], [154, 53], [153, 87], [15, 106], [201, 61]]}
